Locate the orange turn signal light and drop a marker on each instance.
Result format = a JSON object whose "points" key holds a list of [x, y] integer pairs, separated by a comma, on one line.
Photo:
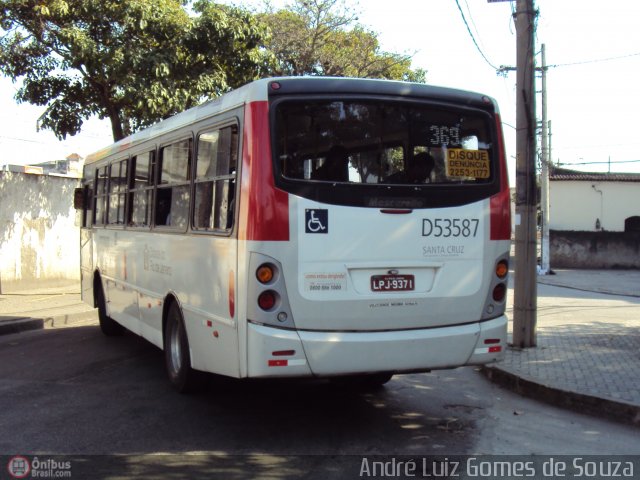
{"points": [[502, 269], [264, 274]]}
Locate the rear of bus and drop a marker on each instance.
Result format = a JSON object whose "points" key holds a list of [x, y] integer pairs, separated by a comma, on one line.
{"points": [[379, 241]]}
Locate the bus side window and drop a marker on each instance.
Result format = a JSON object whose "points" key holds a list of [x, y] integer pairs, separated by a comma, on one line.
{"points": [[117, 189], [172, 194], [215, 180], [141, 189], [101, 195]]}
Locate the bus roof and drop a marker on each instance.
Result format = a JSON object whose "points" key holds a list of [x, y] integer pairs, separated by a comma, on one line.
{"points": [[257, 91]]}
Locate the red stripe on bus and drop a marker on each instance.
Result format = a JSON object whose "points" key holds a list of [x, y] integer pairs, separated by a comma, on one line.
{"points": [[500, 204], [264, 209]]}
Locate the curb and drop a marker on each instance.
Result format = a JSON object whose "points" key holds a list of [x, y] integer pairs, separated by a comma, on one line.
{"points": [[18, 325], [581, 403], [589, 290], [22, 324]]}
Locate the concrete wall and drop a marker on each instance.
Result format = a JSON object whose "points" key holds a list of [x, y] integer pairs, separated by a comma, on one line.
{"points": [[577, 205], [594, 250], [39, 238]]}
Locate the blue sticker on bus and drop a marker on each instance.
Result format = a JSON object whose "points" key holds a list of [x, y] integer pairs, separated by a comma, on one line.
{"points": [[316, 220]]}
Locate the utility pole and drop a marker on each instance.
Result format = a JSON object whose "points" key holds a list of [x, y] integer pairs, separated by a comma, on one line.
{"points": [[525, 294], [544, 173], [550, 149]]}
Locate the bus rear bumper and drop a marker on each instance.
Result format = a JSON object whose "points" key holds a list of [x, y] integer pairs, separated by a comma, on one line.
{"points": [[343, 353]]}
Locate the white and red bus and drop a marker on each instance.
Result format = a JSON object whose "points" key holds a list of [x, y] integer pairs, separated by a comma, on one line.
{"points": [[306, 227]]}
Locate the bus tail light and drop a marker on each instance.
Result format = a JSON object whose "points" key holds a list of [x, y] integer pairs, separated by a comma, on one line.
{"points": [[502, 269], [268, 300], [265, 273], [499, 292], [495, 304]]}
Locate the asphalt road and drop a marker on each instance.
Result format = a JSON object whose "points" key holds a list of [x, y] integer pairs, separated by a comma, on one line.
{"points": [[73, 391]]}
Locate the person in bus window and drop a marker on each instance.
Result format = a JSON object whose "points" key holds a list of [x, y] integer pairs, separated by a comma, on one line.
{"points": [[335, 167], [420, 169]]}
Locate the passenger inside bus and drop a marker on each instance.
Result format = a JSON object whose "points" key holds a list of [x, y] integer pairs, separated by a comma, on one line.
{"points": [[163, 206], [335, 167], [420, 169], [417, 172]]}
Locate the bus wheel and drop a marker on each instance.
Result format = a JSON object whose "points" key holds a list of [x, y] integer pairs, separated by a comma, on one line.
{"points": [[108, 325], [176, 354]]}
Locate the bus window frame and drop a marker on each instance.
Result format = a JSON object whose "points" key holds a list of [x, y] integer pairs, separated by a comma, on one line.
{"points": [[423, 196], [122, 193], [152, 152], [159, 161], [221, 232], [100, 196]]}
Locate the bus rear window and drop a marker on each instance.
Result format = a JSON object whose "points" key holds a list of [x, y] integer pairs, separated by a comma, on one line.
{"points": [[382, 142]]}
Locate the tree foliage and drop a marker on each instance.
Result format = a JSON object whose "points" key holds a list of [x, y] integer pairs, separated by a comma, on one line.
{"points": [[138, 61], [131, 61], [322, 37]]}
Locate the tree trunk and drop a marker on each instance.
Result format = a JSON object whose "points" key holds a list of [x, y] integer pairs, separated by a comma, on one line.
{"points": [[116, 125]]}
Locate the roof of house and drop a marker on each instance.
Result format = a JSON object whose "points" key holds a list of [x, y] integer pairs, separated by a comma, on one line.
{"points": [[557, 173]]}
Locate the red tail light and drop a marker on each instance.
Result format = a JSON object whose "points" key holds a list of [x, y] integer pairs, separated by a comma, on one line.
{"points": [[267, 300], [499, 292]]}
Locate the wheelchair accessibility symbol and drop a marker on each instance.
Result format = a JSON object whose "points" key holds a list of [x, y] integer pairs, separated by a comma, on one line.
{"points": [[316, 220]]}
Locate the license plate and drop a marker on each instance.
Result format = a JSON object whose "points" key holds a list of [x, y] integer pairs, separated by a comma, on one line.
{"points": [[392, 283]]}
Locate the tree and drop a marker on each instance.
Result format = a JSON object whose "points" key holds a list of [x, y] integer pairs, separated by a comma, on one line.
{"points": [[131, 61], [322, 37]]}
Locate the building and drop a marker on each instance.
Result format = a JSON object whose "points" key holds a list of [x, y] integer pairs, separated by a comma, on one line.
{"points": [[594, 219], [69, 167]]}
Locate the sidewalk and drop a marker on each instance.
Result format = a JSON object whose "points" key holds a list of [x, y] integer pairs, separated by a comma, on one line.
{"points": [[588, 338], [42, 305], [588, 345]]}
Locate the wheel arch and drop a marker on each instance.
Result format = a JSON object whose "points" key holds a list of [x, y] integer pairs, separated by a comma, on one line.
{"points": [[97, 283], [169, 299]]}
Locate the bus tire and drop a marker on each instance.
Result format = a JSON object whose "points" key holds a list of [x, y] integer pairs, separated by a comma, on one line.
{"points": [[108, 325], [176, 354]]}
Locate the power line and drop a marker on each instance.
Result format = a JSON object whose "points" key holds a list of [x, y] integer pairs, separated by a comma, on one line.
{"points": [[597, 60], [473, 23], [613, 162], [464, 19]]}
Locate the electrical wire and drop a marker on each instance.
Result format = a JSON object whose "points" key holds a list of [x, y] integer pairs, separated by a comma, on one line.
{"points": [[473, 23], [614, 162], [464, 19], [597, 60]]}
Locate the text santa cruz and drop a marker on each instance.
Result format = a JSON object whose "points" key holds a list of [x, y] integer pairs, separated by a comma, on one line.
{"points": [[442, 250]]}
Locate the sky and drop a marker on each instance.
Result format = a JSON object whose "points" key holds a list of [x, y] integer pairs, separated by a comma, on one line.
{"points": [[593, 80]]}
